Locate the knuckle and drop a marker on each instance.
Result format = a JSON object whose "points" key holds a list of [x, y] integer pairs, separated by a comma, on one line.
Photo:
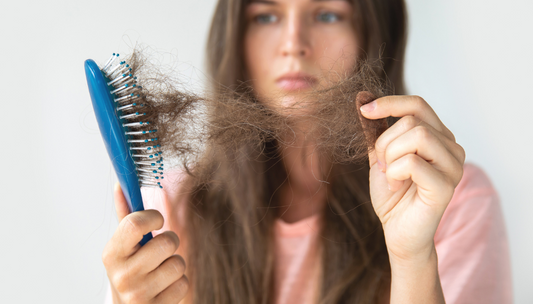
{"points": [[412, 160], [457, 176], [409, 122], [419, 101], [133, 224], [133, 298], [422, 133], [168, 242], [462, 154], [121, 282]]}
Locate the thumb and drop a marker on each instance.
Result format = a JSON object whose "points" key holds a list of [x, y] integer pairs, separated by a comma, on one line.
{"points": [[120, 203], [371, 127]]}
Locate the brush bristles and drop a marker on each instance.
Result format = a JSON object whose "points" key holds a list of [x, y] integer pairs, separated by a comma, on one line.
{"points": [[131, 111]]}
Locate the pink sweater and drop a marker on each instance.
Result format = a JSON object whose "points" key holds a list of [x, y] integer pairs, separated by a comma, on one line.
{"points": [[471, 242]]}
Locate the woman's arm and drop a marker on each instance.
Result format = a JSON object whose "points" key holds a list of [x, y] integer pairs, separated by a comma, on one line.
{"points": [[416, 281]]}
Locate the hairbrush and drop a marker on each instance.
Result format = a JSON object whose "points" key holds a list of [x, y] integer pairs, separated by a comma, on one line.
{"points": [[130, 141]]}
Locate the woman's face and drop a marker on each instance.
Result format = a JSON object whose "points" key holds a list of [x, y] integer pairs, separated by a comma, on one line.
{"points": [[291, 46]]}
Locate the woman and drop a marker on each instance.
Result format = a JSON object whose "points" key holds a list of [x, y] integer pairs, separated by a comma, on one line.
{"points": [[325, 243]]}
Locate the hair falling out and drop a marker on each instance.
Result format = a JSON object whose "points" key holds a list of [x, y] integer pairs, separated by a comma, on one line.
{"points": [[189, 124]]}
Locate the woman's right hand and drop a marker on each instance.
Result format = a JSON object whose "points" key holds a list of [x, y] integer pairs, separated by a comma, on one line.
{"points": [[148, 274]]}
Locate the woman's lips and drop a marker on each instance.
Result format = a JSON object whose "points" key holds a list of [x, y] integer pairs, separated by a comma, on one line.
{"points": [[295, 81]]}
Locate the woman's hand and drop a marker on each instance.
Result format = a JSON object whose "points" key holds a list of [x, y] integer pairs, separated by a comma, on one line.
{"points": [[148, 274], [414, 170]]}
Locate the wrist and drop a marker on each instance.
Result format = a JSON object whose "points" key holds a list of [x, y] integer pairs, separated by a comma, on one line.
{"points": [[416, 280], [420, 259]]}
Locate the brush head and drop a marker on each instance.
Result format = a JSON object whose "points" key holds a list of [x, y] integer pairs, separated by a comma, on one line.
{"points": [[130, 140]]}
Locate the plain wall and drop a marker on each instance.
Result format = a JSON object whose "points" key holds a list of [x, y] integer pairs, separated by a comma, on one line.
{"points": [[469, 59]]}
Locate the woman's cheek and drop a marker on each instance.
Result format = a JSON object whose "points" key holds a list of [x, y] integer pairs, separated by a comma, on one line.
{"points": [[336, 53]]}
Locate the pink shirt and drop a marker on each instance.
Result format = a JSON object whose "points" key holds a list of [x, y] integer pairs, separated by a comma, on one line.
{"points": [[471, 242]]}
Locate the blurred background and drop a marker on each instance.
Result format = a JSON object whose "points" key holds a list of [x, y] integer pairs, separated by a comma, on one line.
{"points": [[471, 60]]}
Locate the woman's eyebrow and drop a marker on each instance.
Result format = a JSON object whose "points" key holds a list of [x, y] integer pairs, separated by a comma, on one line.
{"points": [[270, 2]]}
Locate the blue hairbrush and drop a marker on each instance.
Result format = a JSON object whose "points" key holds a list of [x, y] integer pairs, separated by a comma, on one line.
{"points": [[130, 141]]}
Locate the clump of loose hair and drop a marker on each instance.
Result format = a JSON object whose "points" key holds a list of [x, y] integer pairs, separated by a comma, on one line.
{"points": [[189, 124]]}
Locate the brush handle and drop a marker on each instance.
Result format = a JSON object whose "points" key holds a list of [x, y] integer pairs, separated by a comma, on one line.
{"points": [[114, 138]]}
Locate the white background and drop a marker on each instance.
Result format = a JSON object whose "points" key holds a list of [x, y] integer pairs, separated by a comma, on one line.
{"points": [[471, 60]]}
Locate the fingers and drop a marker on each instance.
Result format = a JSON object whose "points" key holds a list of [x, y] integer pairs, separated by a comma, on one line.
{"points": [[133, 227], [170, 271], [432, 185], [411, 135], [158, 249], [424, 144], [174, 292], [399, 106], [120, 202]]}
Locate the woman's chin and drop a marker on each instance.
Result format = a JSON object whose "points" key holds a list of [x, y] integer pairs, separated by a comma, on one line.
{"points": [[293, 105]]}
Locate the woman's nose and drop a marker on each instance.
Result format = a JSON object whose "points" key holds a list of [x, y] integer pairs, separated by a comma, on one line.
{"points": [[295, 40]]}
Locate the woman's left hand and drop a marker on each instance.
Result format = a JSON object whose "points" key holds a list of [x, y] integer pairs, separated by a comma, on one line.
{"points": [[414, 170]]}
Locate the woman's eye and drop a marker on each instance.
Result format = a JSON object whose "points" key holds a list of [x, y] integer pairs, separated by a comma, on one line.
{"points": [[265, 18], [328, 17]]}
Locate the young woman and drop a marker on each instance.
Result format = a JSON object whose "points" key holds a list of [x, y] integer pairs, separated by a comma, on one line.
{"points": [[413, 225]]}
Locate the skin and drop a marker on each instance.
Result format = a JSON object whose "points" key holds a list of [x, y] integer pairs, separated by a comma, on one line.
{"points": [[414, 169]]}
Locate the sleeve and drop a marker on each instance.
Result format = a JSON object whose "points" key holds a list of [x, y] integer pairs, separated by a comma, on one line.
{"points": [[472, 245]]}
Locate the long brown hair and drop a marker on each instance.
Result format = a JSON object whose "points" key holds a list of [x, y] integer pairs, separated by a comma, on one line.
{"points": [[229, 233]]}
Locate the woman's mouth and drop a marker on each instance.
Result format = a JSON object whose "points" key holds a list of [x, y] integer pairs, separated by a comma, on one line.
{"points": [[295, 81]]}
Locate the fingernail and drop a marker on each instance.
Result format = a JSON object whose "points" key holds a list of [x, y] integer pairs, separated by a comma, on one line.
{"points": [[389, 187], [369, 107]]}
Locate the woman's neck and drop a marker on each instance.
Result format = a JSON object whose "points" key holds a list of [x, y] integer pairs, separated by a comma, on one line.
{"points": [[304, 192]]}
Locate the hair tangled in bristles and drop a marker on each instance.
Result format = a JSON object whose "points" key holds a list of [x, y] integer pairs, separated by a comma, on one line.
{"points": [[190, 124]]}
